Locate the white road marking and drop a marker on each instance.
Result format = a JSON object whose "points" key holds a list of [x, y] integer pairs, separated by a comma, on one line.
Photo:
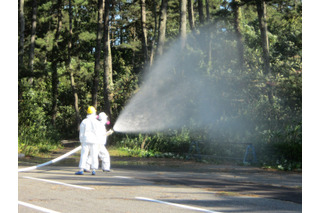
{"points": [[123, 177], [175, 204], [60, 183], [36, 207]]}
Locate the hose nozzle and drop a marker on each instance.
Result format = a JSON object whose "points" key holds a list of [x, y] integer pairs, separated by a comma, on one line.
{"points": [[110, 132]]}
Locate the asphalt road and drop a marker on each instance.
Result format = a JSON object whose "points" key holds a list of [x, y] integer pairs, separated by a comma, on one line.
{"points": [[159, 186]]}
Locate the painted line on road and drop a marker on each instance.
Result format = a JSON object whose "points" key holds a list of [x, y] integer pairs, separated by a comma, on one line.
{"points": [[123, 177], [36, 207], [60, 183], [175, 204]]}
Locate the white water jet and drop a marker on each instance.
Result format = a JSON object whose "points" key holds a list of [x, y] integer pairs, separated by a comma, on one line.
{"points": [[179, 90]]}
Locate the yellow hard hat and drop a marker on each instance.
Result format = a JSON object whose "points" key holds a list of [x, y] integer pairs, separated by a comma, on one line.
{"points": [[91, 110]]}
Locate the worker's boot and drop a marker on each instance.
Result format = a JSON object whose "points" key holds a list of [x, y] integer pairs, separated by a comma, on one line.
{"points": [[79, 173]]}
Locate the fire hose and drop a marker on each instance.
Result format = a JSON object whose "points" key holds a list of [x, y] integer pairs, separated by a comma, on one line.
{"points": [[52, 161]]}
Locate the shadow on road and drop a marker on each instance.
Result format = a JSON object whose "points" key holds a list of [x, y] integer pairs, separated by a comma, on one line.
{"points": [[223, 179]]}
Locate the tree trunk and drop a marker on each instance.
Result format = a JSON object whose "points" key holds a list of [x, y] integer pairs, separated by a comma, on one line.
{"points": [[190, 14], [33, 38], [262, 16], [107, 63], [183, 22], [210, 52], [200, 8], [144, 32], [133, 60], [54, 64], [207, 10], [97, 54], [21, 36], [162, 27], [237, 16], [154, 33], [112, 33], [73, 85]]}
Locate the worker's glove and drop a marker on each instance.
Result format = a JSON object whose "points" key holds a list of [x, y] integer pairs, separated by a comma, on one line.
{"points": [[110, 132]]}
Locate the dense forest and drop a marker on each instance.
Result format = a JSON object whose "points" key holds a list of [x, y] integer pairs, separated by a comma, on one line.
{"points": [[77, 53]]}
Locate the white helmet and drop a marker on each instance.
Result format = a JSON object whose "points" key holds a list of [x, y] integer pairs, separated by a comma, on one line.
{"points": [[103, 116]]}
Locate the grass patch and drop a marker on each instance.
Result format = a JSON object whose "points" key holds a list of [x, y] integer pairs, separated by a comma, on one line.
{"points": [[118, 152], [128, 152], [38, 150], [137, 152]]}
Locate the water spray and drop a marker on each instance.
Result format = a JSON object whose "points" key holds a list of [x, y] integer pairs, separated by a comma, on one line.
{"points": [[186, 88]]}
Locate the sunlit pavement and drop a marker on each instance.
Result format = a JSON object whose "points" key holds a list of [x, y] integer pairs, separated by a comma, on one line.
{"points": [[160, 188]]}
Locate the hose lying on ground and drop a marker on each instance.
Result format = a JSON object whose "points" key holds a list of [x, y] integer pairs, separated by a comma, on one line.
{"points": [[52, 161]]}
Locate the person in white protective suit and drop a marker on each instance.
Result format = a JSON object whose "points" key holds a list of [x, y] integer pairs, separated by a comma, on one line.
{"points": [[88, 136], [102, 141]]}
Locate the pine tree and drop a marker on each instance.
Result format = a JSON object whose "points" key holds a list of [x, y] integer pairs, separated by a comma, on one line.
{"points": [[190, 14], [183, 22], [54, 64], [144, 31], [70, 69], [236, 17], [33, 38], [97, 54], [21, 35], [162, 27], [107, 62]]}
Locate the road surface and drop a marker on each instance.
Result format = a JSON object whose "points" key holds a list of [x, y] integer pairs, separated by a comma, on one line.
{"points": [[134, 186]]}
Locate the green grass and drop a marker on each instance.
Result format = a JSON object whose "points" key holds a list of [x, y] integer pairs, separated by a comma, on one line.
{"points": [[38, 150], [118, 152]]}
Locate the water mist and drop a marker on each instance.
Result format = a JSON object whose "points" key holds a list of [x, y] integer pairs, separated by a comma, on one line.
{"points": [[188, 87]]}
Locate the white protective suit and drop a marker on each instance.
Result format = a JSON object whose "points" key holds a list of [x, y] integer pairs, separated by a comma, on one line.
{"points": [[101, 142], [88, 136]]}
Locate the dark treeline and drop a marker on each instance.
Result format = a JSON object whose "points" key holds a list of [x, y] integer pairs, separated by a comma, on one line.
{"points": [[76, 53]]}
